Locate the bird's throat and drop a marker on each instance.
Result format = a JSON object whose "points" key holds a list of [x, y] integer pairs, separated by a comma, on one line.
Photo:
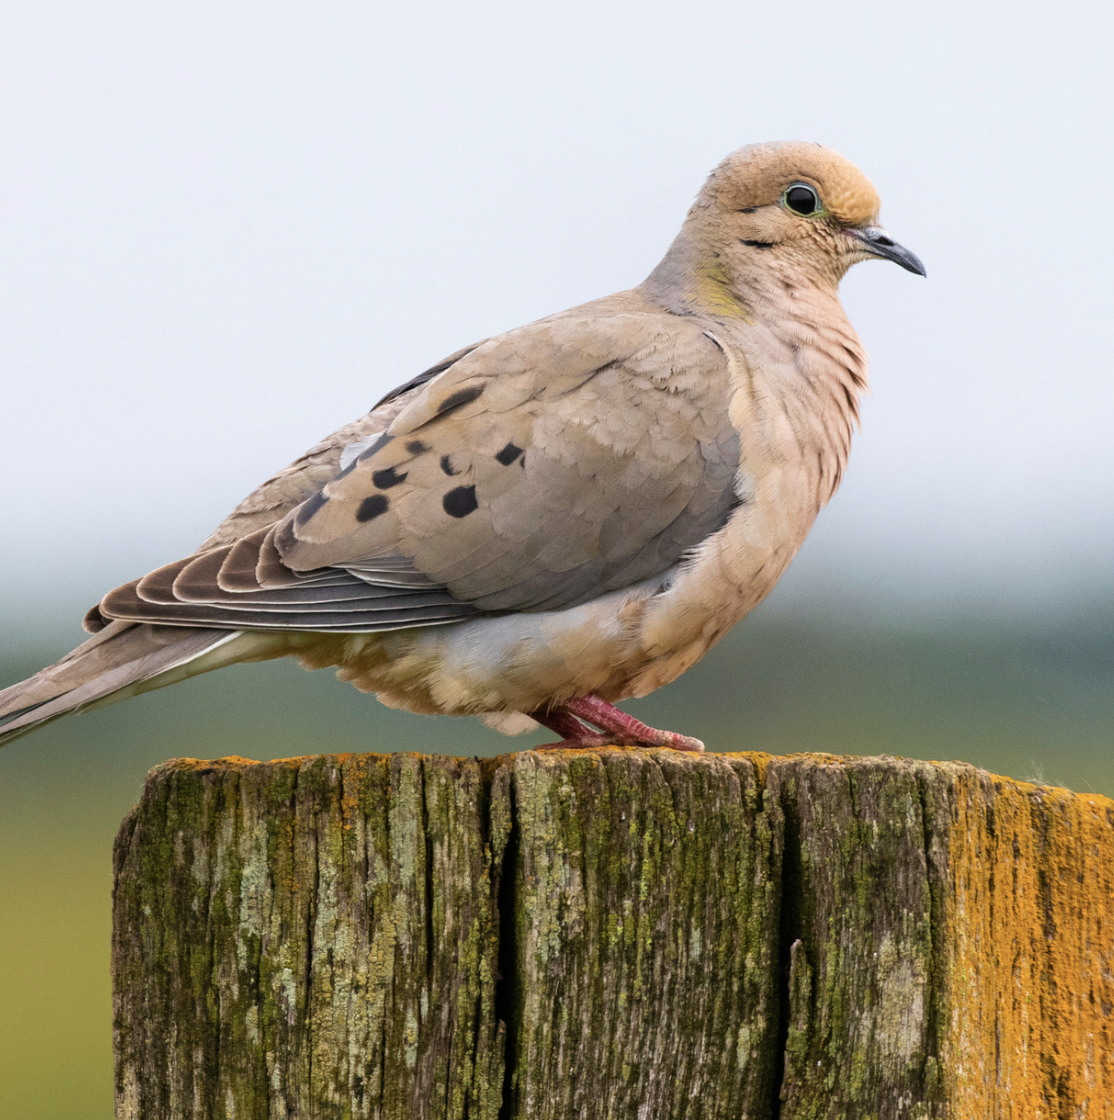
{"points": [[712, 292]]}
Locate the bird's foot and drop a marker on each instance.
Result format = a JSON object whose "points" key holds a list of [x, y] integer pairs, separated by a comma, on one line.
{"points": [[574, 733], [618, 728]]}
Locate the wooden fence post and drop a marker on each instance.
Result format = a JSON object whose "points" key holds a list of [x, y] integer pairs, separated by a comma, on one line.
{"points": [[612, 933]]}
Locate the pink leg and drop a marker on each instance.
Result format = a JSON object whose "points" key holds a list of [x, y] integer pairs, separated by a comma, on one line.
{"points": [[626, 728], [573, 733], [618, 727]]}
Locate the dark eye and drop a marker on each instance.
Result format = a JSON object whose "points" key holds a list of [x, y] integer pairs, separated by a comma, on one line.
{"points": [[802, 200]]}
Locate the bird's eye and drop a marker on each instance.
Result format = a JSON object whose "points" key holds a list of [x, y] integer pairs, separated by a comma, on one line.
{"points": [[802, 199]]}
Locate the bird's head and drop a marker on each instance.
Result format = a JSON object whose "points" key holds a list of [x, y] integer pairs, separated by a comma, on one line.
{"points": [[797, 208]]}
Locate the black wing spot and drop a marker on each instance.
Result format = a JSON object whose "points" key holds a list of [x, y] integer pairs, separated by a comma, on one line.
{"points": [[508, 454], [458, 399], [371, 508], [309, 507], [385, 479], [424, 377], [417, 447], [447, 466], [461, 501]]}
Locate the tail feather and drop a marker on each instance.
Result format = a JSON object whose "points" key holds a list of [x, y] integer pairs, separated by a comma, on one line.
{"points": [[77, 666], [123, 660]]}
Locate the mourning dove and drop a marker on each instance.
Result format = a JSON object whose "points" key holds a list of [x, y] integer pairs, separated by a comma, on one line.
{"points": [[556, 518]]}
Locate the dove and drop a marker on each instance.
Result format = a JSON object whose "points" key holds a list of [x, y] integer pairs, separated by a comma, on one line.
{"points": [[557, 518]]}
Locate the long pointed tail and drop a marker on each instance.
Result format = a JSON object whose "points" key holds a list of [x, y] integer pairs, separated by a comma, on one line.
{"points": [[123, 660]]}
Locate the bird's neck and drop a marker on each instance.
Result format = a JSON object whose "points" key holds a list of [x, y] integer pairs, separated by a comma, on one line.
{"points": [[803, 364]]}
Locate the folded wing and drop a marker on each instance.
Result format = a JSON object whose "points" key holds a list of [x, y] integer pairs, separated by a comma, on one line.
{"points": [[536, 471]]}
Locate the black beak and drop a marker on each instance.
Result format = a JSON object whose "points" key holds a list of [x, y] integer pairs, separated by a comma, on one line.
{"points": [[879, 243]]}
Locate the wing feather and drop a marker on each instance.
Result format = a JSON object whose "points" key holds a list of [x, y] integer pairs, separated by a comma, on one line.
{"points": [[535, 471]]}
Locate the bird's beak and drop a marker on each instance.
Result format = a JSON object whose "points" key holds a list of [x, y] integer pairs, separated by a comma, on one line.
{"points": [[876, 241]]}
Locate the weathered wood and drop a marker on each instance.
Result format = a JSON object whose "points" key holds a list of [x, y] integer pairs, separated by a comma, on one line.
{"points": [[612, 933], [645, 945], [314, 937]]}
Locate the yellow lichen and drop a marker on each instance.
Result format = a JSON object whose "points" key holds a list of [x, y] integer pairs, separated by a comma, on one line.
{"points": [[1029, 925]]}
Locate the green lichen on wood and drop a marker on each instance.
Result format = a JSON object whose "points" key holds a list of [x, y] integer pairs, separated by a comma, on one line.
{"points": [[611, 934], [861, 1005], [307, 938], [646, 915]]}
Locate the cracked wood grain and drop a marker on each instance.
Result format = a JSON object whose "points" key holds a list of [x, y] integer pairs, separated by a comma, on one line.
{"points": [[313, 937], [612, 934]]}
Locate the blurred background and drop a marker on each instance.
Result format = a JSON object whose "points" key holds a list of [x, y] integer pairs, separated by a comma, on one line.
{"points": [[227, 229]]}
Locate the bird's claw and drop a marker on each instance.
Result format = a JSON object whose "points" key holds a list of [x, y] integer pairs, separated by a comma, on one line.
{"points": [[619, 728]]}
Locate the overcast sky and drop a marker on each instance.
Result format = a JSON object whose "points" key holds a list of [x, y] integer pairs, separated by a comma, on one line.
{"points": [[227, 229]]}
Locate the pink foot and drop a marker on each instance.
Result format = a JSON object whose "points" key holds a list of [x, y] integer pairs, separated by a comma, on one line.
{"points": [[574, 734], [617, 728]]}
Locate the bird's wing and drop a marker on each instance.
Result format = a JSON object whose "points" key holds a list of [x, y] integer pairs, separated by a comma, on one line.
{"points": [[306, 475], [543, 468]]}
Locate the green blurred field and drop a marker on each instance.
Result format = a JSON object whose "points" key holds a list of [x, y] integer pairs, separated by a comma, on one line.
{"points": [[1032, 702]]}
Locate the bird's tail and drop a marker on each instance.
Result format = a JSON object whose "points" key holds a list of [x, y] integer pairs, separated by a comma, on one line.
{"points": [[123, 660]]}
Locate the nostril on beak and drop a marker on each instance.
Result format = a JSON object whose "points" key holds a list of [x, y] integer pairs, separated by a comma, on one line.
{"points": [[877, 241]]}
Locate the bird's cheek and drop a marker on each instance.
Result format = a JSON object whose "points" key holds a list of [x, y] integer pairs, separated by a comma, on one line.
{"points": [[763, 227]]}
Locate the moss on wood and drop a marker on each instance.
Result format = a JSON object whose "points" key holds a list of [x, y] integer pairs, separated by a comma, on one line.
{"points": [[612, 934], [314, 937]]}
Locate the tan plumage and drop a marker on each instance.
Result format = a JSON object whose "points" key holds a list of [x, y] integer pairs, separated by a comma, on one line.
{"points": [[556, 518]]}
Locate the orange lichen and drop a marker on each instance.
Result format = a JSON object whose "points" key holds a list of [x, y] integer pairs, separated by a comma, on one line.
{"points": [[1029, 936]]}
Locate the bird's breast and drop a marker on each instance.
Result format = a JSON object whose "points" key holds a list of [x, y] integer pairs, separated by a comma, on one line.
{"points": [[728, 575], [788, 405]]}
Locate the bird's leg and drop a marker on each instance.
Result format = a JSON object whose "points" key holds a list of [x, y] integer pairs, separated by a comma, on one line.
{"points": [[626, 729], [573, 733], [618, 727]]}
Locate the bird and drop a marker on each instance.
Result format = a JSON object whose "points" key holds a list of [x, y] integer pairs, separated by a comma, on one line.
{"points": [[555, 519]]}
